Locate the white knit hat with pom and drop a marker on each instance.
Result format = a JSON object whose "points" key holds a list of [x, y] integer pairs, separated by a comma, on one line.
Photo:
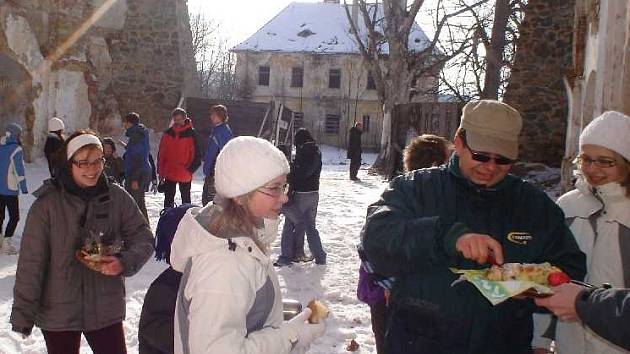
{"points": [[610, 130], [246, 163]]}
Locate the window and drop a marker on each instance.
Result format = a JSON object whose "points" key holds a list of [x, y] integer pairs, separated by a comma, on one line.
{"points": [[334, 78], [371, 85], [332, 124], [366, 123], [298, 120], [263, 75], [297, 75]]}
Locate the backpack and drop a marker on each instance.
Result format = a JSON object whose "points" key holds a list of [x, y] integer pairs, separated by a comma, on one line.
{"points": [[166, 228]]}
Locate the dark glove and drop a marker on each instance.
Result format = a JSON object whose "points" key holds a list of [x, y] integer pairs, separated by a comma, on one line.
{"points": [[154, 186], [24, 331]]}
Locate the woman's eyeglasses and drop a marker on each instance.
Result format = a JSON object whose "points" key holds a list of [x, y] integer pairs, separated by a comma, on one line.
{"points": [[83, 164], [276, 191], [599, 162]]}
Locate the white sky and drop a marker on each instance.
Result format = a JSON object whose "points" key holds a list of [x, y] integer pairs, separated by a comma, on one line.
{"points": [[240, 19]]}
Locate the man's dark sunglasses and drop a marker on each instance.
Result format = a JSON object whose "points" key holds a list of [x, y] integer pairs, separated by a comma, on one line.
{"points": [[484, 157], [481, 157]]}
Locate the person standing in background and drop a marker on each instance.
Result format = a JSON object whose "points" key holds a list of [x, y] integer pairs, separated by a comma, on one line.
{"points": [[221, 134], [54, 141], [178, 157], [12, 182], [114, 165], [136, 160], [354, 149]]}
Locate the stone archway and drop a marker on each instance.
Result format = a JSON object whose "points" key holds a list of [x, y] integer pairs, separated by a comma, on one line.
{"points": [[588, 107]]}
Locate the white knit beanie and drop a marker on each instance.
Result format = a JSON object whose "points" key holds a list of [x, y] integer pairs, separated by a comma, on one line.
{"points": [[610, 130], [55, 124], [246, 163]]}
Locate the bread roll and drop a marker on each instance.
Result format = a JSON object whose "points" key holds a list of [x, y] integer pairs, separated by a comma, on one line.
{"points": [[318, 311]]}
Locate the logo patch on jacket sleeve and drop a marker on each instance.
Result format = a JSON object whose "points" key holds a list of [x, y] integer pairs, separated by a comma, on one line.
{"points": [[520, 238]]}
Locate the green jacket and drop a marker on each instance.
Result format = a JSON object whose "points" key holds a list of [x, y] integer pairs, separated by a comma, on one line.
{"points": [[410, 234]]}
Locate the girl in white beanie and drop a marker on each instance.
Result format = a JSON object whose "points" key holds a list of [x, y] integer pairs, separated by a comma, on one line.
{"points": [[598, 214], [229, 298]]}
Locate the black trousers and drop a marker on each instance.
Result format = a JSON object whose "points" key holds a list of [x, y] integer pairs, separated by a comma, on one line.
{"points": [[170, 189], [9, 202], [379, 316], [108, 340], [355, 164], [208, 190]]}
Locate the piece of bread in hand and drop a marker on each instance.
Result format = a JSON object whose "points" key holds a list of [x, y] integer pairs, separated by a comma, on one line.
{"points": [[318, 311]]}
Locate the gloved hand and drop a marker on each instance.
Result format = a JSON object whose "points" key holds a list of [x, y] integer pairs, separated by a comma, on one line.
{"points": [[25, 332], [306, 332]]}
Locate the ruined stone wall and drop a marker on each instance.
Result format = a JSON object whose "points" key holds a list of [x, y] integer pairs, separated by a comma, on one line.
{"points": [[89, 62], [536, 87]]}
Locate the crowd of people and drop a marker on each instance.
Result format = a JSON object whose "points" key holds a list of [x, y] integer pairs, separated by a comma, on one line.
{"points": [[455, 205]]}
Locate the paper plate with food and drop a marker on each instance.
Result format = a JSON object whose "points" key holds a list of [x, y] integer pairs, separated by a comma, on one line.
{"points": [[501, 282]]}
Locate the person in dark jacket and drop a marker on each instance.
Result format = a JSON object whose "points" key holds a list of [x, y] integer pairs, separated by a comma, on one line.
{"points": [[424, 151], [136, 160], [466, 214], [179, 157], [156, 327], [301, 213], [54, 141], [605, 311], [114, 165], [354, 149], [221, 134], [56, 287]]}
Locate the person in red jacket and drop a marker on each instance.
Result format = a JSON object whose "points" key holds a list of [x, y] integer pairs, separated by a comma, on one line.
{"points": [[178, 157]]}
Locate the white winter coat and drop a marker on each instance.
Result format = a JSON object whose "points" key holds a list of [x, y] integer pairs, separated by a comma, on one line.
{"points": [[214, 302], [600, 222]]}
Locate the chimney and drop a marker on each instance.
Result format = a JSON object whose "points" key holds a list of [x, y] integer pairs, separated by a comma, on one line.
{"points": [[355, 12]]}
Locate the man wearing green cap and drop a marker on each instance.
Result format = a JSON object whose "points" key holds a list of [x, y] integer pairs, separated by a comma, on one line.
{"points": [[467, 214]]}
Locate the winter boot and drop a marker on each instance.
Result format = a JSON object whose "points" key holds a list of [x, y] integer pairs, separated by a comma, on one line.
{"points": [[8, 247]]}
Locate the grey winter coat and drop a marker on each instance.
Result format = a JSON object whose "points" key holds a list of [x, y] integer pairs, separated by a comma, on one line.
{"points": [[53, 290]]}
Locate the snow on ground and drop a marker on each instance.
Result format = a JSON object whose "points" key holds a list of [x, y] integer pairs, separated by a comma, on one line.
{"points": [[341, 213]]}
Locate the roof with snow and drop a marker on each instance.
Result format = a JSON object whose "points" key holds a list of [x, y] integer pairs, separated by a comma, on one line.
{"points": [[321, 28]]}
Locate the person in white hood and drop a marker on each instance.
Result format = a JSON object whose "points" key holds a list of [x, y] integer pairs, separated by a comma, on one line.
{"points": [[229, 300], [598, 214]]}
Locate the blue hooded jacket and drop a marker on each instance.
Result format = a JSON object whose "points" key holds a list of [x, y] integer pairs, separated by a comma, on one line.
{"points": [[220, 136], [136, 157], [12, 178]]}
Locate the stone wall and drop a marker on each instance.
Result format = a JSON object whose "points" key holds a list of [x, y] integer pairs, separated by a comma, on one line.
{"points": [[536, 88], [89, 62]]}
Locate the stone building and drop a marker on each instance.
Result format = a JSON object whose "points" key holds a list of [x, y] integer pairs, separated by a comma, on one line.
{"points": [[536, 86], [307, 59], [600, 76], [89, 62]]}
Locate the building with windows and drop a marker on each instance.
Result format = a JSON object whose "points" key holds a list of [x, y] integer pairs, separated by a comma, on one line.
{"points": [[307, 59]]}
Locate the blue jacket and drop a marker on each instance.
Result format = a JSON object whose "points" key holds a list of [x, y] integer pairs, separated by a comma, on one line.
{"points": [[136, 157], [11, 167], [220, 135], [410, 234]]}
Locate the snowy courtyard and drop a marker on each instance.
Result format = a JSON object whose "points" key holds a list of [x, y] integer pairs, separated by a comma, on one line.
{"points": [[341, 213]]}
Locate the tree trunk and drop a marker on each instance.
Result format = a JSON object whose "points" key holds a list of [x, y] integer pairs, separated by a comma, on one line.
{"points": [[495, 49]]}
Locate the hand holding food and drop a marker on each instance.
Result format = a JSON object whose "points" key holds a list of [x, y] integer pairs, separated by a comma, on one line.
{"points": [[318, 311]]}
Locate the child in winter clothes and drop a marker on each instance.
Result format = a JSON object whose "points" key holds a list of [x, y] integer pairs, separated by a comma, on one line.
{"points": [[598, 214], [229, 298], [12, 182], [114, 165], [424, 151]]}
